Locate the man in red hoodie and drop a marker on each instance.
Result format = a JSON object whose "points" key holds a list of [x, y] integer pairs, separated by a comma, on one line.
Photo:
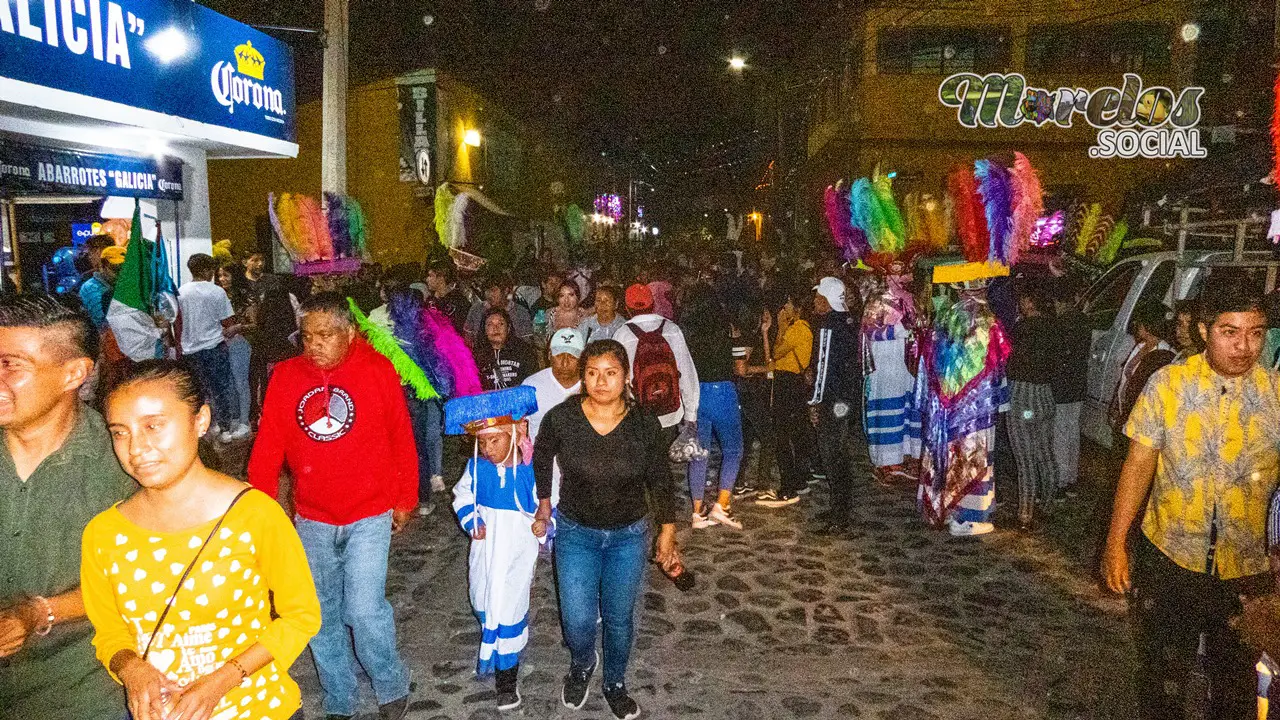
{"points": [[337, 418]]}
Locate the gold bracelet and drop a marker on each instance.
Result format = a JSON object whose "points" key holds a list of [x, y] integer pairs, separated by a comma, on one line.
{"points": [[244, 674]]}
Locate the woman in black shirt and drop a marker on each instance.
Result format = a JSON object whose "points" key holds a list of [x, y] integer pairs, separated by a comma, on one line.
{"points": [[611, 456], [709, 335]]}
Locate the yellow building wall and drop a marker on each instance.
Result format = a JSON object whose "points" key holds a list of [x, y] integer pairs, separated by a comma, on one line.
{"points": [[897, 121], [398, 219]]}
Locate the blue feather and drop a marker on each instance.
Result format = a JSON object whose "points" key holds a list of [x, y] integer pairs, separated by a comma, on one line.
{"points": [[993, 185], [405, 312]]}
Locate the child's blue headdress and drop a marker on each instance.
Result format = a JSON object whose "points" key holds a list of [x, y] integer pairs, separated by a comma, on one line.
{"points": [[474, 413]]}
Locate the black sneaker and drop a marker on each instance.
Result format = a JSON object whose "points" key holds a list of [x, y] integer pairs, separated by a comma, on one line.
{"points": [[743, 490], [574, 693], [508, 699], [623, 707], [394, 710]]}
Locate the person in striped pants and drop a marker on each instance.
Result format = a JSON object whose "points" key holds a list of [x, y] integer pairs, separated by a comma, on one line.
{"points": [[1030, 372]]}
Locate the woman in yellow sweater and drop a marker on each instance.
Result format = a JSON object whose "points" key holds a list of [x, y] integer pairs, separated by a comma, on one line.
{"points": [[177, 580]]}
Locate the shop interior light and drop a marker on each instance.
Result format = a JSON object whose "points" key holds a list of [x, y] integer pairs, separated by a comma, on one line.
{"points": [[168, 45], [1190, 31], [472, 138]]}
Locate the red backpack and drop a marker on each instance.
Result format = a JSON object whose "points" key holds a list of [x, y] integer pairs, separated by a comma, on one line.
{"points": [[654, 375]]}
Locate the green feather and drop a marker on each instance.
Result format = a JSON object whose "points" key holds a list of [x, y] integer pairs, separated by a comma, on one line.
{"points": [[359, 228], [381, 340]]}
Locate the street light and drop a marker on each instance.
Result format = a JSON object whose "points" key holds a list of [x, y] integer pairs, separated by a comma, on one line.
{"points": [[472, 138], [737, 63]]}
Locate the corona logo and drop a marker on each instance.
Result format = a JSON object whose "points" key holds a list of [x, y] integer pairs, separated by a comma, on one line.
{"points": [[249, 61], [237, 84]]}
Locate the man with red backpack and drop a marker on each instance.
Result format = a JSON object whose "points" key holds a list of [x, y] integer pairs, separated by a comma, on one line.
{"points": [[663, 377]]}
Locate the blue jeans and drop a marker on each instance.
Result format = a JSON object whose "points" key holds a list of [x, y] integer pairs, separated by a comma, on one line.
{"points": [[600, 574], [349, 565], [213, 366], [239, 351], [718, 412], [428, 437]]}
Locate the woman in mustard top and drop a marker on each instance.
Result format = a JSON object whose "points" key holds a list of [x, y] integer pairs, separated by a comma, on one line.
{"points": [[217, 654]]}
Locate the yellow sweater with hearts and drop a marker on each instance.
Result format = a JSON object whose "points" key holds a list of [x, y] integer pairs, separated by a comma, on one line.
{"points": [[128, 573]]}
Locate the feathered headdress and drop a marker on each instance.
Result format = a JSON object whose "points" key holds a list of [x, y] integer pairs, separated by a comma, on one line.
{"points": [[970, 215], [1028, 204], [993, 186], [387, 345], [851, 241], [489, 409], [888, 232], [437, 329]]}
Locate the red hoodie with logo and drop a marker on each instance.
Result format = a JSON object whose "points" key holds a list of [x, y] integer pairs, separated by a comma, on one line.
{"points": [[344, 434]]}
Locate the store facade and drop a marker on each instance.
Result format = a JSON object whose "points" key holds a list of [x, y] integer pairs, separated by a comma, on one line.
{"points": [[104, 101]]}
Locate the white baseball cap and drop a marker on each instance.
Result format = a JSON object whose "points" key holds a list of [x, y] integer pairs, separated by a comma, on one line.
{"points": [[568, 340], [832, 289]]}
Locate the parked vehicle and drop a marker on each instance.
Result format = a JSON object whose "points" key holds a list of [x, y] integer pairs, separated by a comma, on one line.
{"points": [[1164, 277]]}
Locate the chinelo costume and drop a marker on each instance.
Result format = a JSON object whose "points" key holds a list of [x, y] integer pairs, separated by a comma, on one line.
{"points": [[500, 498]]}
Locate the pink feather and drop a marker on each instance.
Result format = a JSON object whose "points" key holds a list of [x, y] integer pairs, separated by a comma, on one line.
{"points": [[1028, 204], [450, 345]]}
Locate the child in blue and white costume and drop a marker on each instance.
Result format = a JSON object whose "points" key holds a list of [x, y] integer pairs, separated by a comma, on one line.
{"points": [[495, 501]]}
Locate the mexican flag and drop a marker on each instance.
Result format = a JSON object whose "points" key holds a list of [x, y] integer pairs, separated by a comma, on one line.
{"points": [[143, 288]]}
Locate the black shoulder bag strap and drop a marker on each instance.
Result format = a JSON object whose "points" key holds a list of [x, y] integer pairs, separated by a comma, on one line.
{"points": [[169, 605]]}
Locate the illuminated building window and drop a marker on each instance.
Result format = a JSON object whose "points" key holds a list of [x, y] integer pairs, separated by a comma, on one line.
{"points": [[941, 51], [1110, 48]]}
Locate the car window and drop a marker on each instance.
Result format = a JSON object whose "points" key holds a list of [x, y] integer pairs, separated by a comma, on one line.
{"points": [[1158, 285], [1103, 300], [1214, 279]]}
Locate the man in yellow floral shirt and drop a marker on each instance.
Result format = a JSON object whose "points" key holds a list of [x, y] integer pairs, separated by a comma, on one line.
{"points": [[1206, 433]]}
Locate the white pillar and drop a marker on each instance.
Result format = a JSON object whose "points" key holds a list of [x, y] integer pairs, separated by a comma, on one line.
{"points": [[333, 133]]}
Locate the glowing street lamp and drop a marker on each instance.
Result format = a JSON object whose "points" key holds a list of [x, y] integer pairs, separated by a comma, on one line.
{"points": [[737, 63], [472, 138]]}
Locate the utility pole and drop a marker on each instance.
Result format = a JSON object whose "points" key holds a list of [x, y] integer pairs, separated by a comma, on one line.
{"points": [[333, 132]]}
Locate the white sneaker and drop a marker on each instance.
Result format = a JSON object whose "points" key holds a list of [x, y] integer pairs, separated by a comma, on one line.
{"points": [[700, 521], [437, 484], [722, 515], [968, 529]]}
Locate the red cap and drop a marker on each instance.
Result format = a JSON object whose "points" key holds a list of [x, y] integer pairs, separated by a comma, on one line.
{"points": [[639, 298]]}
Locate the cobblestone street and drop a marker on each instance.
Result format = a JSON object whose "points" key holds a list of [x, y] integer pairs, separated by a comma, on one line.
{"points": [[894, 621]]}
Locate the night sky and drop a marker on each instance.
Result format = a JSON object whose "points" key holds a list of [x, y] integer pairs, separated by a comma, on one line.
{"points": [[644, 81]]}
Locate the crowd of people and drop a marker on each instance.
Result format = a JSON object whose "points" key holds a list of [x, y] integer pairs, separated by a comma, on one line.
{"points": [[583, 390]]}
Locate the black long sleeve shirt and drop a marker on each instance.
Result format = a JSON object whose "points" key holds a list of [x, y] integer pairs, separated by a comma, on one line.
{"points": [[604, 479]]}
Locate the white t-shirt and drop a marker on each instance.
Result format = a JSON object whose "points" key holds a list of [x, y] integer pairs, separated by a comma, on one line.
{"points": [[204, 306], [550, 394]]}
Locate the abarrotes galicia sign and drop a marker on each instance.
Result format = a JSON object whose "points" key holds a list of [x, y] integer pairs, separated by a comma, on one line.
{"points": [[1132, 120], [169, 56], [36, 170]]}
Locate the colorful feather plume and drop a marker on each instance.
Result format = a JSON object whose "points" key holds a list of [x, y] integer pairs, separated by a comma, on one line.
{"points": [[339, 224], [437, 329], [1275, 135], [443, 203], [888, 233], [993, 186], [1111, 246], [936, 223], [404, 309], [457, 236], [317, 228], [970, 220], [295, 231], [275, 220], [1086, 227], [358, 228], [851, 241], [1028, 205], [388, 345]]}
